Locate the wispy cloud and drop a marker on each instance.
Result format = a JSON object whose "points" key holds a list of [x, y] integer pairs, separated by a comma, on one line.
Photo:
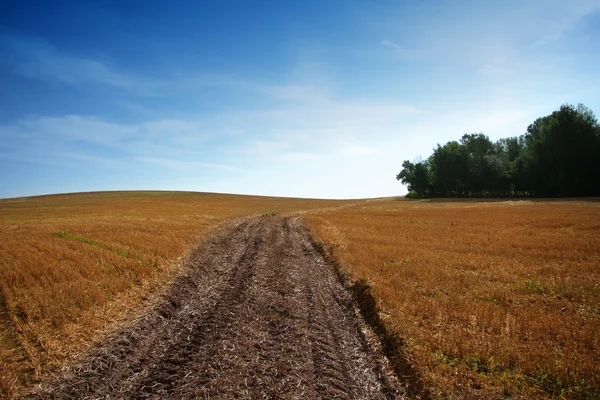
{"points": [[547, 39], [297, 156], [36, 58], [345, 102], [562, 17], [310, 123], [94, 141], [477, 31], [98, 132], [180, 165], [330, 115], [403, 52], [261, 147], [73, 129], [295, 92], [88, 159]]}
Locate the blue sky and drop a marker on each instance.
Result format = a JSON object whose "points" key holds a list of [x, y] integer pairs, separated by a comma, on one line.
{"points": [[318, 99]]}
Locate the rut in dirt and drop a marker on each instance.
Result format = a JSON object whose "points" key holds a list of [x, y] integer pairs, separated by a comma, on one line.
{"points": [[256, 313]]}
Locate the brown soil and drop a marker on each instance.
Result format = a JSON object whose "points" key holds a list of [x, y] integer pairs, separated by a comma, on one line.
{"points": [[256, 313]]}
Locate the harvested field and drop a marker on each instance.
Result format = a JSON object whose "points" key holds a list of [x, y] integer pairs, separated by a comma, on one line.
{"points": [[256, 313], [478, 299], [491, 299], [71, 265]]}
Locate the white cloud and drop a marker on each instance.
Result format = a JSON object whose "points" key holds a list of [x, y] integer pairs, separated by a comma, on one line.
{"points": [[404, 52], [37, 59], [261, 148], [318, 126], [88, 159], [98, 132], [302, 93], [180, 165], [73, 128], [475, 33], [557, 19], [296, 156], [94, 141], [330, 116]]}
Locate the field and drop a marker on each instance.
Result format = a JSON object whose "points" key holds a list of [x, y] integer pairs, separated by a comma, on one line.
{"points": [[490, 299], [71, 265], [256, 313]]}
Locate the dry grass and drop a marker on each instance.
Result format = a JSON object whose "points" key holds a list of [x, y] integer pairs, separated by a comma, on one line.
{"points": [[70, 265], [491, 298]]}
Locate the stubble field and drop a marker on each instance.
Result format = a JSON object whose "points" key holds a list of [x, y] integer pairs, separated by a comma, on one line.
{"points": [[71, 265], [490, 299]]}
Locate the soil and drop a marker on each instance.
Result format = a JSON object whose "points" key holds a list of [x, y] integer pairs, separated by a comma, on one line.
{"points": [[256, 313]]}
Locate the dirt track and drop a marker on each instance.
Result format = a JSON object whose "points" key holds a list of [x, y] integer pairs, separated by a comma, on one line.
{"points": [[257, 313]]}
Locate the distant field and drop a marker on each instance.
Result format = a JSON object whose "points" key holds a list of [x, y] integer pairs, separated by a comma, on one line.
{"points": [[491, 298], [71, 264]]}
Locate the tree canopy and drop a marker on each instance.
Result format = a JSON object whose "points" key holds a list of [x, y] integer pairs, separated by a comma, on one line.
{"points": [[558, 156]]}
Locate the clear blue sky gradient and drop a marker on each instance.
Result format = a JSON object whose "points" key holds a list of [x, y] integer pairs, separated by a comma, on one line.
{"points": [[315, 99]]}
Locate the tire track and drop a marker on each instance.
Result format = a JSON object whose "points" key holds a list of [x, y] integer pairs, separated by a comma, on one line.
{"points": [[256, 313], [202, 332]]}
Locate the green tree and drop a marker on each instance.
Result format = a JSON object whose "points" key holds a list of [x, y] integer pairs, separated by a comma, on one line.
{"points": [[449, 166], [481, 173], [563, 153], [416, 177], [559, 155]]}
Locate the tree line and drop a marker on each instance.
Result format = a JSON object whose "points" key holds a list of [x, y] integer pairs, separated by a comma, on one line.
{"points": [[558, 156]]}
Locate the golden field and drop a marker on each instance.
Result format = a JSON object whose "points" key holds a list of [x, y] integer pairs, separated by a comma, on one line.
{"points": [[491, 299], [70, 265]]}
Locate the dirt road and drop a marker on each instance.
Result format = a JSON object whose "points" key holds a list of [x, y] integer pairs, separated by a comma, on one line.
{"points": [[257, 313]]}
